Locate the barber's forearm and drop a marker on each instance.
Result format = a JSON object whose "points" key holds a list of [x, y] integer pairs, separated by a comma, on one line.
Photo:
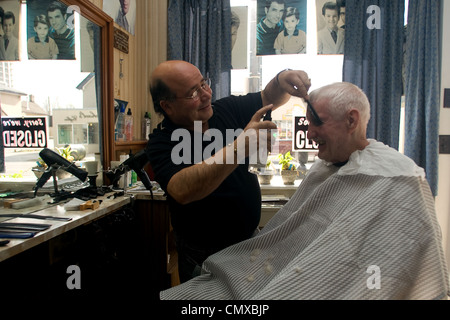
{"points": [[200, 180]]}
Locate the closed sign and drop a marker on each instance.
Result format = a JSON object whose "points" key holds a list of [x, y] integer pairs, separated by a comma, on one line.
{"points": [[24, 132], [301, 141]]}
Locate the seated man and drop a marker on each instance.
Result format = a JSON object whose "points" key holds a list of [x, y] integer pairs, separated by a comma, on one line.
{"points": [[362, 224]]}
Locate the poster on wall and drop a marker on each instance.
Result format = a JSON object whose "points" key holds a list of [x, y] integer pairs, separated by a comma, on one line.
{"points": [[281, 27], [87, 37], [50, 30], [123, 12], [330, 26], [10, 30], [239, 27]]}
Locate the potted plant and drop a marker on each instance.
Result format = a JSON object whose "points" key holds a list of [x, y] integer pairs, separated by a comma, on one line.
{"points": [[288, 169], [61, 174], [266, 173]]}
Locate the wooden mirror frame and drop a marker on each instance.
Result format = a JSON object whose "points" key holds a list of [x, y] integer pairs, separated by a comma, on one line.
{"points": [[106, 24]]}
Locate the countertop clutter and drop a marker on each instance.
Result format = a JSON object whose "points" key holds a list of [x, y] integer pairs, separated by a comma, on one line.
{"points": [[121, 241], [75, 248], [59, 218]]}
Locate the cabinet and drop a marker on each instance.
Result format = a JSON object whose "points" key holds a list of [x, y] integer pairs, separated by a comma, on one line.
{"points": [[160, 252]]}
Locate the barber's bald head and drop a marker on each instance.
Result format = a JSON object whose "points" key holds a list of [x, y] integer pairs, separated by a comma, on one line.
{"points": [[171, 71], [167, 78], [181, 94]]}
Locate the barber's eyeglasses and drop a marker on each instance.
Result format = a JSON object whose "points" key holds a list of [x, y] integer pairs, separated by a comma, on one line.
{"points": [[315, 119], [205, 85]]}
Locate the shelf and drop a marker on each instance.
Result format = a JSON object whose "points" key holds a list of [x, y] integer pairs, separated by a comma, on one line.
{"points": [[124, 147], [130, 143]]}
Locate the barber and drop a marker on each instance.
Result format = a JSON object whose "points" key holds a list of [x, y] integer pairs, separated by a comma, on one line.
{"points": [[213, 203]]}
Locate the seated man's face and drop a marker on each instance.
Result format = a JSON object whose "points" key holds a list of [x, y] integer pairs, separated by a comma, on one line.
{"points": [[331, 18], [332, 136]]}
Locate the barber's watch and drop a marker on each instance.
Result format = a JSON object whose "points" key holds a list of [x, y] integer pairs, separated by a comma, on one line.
{"points": [[278, 80]]}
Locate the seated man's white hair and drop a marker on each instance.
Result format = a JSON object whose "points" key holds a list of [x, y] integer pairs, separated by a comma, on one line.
{"points": [[343, 96]]}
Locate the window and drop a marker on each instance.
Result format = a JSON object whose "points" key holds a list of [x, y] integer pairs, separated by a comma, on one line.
{"points": [[64, 134], [322, 69], [61, 91]]}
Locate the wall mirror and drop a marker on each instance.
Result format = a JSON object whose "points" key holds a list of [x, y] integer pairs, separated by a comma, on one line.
{"points": [[71, 89]]}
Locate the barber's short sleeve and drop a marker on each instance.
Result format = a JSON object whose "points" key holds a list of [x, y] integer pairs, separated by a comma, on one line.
{"points": [[159, 152], [236, 111]]}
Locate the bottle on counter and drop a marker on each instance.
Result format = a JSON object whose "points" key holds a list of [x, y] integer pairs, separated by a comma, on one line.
{"points": [[129, 126], [119, 128], [133, 178], [146, 126], [125, 179]]}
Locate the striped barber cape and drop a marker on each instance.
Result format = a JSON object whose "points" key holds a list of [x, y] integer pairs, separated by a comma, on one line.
{"points": [[367, 230]]}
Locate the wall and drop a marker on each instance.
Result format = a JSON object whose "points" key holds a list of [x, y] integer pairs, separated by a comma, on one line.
{"points": [[11, 104], [443, 198], [147, 48]]}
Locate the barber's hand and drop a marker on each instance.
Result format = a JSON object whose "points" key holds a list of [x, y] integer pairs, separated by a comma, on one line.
{"points": [[295, 82], [257, 131]]}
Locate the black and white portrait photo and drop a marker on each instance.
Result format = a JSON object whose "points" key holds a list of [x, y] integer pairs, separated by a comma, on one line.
{"points": [[123, 12], [330, 26], [281, 27], [50, 30], [239, 29], [9, 33]]}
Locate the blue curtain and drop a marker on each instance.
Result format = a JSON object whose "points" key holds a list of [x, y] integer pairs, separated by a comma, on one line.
{"points": [[372, 61], [422, 101], [199, 32]]}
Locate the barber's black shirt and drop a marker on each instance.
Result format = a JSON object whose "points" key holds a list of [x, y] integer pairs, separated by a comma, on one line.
{"points": [[232, 212]]}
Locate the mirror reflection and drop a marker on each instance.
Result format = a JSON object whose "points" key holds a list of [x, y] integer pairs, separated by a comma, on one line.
{"points": [[49, 95]]}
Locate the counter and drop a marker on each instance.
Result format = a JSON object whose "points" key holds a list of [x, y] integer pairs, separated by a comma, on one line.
{"points": [[108, 205], [274, 197]]}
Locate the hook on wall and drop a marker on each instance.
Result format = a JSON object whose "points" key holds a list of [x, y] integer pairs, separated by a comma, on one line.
{"points": [[121, 75]]}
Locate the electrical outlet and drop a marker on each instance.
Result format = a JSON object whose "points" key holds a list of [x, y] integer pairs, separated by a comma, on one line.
{"points": [[447, 98], [444, 144]]}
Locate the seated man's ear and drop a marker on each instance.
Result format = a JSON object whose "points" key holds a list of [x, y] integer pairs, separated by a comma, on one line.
{"points": [[353, 119]]}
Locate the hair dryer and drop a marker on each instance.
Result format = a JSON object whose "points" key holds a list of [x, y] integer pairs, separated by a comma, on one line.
{"points": [[56, 161]]}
